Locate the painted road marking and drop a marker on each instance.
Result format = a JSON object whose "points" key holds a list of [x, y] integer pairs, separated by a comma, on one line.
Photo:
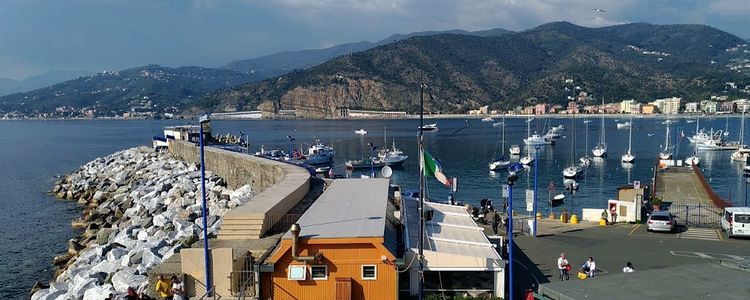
{"points": [[634, 228], [700, 234], [709, 255]]}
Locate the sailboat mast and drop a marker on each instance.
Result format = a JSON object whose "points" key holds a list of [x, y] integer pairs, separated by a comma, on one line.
{"points": [[421, 191], [502, 153], [630, 138]]}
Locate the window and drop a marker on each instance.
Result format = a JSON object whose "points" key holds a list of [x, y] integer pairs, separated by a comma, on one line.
{"points": [[742, 218], [297, 272], [369, 272], [319, 272]]}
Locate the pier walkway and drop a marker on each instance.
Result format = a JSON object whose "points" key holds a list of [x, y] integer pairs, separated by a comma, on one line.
{"points": [[681, 185]]}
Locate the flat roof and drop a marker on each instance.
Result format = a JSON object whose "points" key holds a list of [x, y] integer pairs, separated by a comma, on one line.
{"points": [[453, 241], [738, 209], [348, 208], [726, 280]]}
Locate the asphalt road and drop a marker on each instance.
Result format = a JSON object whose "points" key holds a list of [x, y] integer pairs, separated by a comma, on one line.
{"points": [[612, 246]]}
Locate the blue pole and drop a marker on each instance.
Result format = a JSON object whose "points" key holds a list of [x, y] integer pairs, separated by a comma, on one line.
{"points": [[536, 169], [372, 161], [510, 240], [206, 257]]}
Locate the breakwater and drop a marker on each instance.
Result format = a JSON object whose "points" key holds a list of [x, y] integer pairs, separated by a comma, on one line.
{"points": [[138, 209]]}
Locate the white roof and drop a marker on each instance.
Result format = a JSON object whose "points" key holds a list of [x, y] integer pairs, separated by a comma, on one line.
{"points": [[738, 209], [452, 240]]}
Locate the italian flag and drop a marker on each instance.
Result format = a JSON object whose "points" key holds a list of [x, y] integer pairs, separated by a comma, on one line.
{"points": [[432, 167]]}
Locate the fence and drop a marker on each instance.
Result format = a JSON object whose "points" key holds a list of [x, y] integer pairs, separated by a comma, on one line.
{"points": [[696, 215], [243, 281], [282, 223]]}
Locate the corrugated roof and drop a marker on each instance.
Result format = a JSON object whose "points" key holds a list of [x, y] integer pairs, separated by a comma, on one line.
{"points": [[349, 208], [452, 239]]}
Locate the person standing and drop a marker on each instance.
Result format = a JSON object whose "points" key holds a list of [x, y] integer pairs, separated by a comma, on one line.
{"points": [[628, 268], [178, 289], [495, 221], [613, 213], [563, 266], [163, 287]]}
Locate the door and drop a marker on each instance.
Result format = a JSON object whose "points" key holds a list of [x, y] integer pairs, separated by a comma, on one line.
{"points": [[725, 220], [741, 224], [343, 288]]}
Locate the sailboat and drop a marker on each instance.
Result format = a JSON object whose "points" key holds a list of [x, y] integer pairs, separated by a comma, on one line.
{"points": [[392, 156], [666, 153], [586, 160], [601, 149], [693, 160], [533, 139], [742, 152], [515, 150], [500, 163], [528, 159], [572, 171], [629, 157]]}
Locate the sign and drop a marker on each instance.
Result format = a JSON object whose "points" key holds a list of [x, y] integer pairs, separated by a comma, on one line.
{"points": [[529, 200], [551, 186], [505, 191], [636, 184]]}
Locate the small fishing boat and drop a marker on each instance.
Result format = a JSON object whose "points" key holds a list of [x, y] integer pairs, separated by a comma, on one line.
{"points": [[430, 127], [557, 199], [319, 154], [625, 125], [393, 156], [361, 132], [515, 150], [364, 164], [488, 119]]}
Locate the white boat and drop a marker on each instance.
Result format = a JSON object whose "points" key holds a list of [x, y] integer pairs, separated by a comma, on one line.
{"points": [[319, 154], [601, 148], [667, 122], [488, 119], [430, 127], [557, 198], [742, 152], [690, 121], [361, 132], [498, 124], [573, 171], [700, 135], [666, 153], [586, 160], [587, 121], [717, 145], [746, 170], [559, 127], [534, 139], [629, 157], [392, 156], [500, 163], [693, 160], [526, 160], [570, 184], [515, 150], [625, 125]]}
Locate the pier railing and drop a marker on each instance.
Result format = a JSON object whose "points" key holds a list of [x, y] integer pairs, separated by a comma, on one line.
{"points": [[696, 215], [720, 203]]}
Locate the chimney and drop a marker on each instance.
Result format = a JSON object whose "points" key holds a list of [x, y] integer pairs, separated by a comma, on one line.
{"points": [[295, 246]]}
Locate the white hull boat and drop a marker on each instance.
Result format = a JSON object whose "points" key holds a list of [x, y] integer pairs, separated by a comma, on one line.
{"points": [[361, 132], [629, 157], [692, 161], [515, 150], [527, 160], [625, 125], [572, 172], [500, 163], [557, 198], [599, 151], [430, 127], [488, 119], [536, 139]]}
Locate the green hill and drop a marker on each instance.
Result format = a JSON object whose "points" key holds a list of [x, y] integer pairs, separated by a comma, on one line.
{"points": [[640, 61]]}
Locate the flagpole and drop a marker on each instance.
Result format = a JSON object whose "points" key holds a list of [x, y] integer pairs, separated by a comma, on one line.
{"points": [[421, 192]]}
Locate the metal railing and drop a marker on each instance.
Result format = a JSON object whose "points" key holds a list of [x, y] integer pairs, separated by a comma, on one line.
{"points": [[696, 215], [281, 223], [243, 281]]}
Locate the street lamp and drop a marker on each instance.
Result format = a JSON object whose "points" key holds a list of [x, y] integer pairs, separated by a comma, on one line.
{"points": [[536, 170], [512, 177], [204, 121], [372, 159]]}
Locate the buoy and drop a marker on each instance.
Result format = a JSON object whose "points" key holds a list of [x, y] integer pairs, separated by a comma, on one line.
{"points": [[574, 219]]}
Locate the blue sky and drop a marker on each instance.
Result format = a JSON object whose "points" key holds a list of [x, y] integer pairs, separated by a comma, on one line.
{"points": [[37, 36]]}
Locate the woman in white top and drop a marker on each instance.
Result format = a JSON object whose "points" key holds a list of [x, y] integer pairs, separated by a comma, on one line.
{"points": [[591, 264], [178, 289]]}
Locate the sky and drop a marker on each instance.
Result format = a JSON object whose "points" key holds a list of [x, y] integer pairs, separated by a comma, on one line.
{"points": [[38, 36]]}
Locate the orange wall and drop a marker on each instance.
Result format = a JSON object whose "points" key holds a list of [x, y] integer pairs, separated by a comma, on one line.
{"points": [[344, 258]]}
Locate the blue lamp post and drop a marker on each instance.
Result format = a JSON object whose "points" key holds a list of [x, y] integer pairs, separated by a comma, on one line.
{"points": [[203, 122], [536, 170], [372, 159], [291, 139], [512, 177]]}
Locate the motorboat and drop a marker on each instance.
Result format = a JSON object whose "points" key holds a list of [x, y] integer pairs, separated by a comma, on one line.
{"points": [[690, 121], [515, 150], [629, 157], [693, 160], [430, 127], [319, 154], [364, 163], [526, 160], [488, 119], [570, 184], [572, 172], [667, 122], [392, 156], [587, 121], [500, 163], [625, 125], [536, 139], [700, 135], [557, 199], [497, 124], [361, 132]]}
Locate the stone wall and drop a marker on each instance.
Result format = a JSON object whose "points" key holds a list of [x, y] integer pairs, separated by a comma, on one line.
{"points": [[237, 169]]}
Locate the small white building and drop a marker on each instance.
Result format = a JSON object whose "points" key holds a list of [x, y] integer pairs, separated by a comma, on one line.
{"points": [[709, 107], [626, 106], [692, 108]]}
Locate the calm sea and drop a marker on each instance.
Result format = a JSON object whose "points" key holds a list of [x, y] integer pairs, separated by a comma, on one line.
{"points": [[32, 153]]}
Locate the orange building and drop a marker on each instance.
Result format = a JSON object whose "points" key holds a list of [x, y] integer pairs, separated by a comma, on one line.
{"points": [[344, 247]]}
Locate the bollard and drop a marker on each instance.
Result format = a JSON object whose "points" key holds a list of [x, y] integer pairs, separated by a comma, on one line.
{"points": [[564, 216], [602, 222], [552, 216], [574, 219], [538, 215]]}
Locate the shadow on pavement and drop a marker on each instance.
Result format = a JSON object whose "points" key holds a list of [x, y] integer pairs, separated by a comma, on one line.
{"points": [[526, 273]]}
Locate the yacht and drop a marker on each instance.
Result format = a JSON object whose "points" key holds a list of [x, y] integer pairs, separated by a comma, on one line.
{"points": [[572, 172], [515, 150], [430, 127], [319, 154], [666, 153], [392, 156], [629, 157], [361, 132], [601, 148], [488, 119], [533, 139], [625, 125], [500, 163]]}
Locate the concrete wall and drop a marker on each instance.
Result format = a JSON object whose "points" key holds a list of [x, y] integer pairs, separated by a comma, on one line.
{"points": [[193, 266], [236, 168]]}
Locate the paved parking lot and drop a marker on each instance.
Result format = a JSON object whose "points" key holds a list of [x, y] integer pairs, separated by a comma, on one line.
{"points": [[613, 246]]}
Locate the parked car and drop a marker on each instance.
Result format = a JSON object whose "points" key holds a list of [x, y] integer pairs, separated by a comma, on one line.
{"points": [[661, 221], [736, 221]]}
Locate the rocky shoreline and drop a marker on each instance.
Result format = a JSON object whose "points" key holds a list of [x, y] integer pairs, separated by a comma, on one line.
{"points": [[139, 208]]}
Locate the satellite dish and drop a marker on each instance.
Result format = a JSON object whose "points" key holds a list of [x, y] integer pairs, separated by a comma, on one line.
{"points": [[386, 172]]}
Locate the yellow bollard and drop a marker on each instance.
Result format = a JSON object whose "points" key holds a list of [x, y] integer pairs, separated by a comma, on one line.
{"points": [[562, 218], [574, 219], [538, 215], [552, 216], [602, 222]]}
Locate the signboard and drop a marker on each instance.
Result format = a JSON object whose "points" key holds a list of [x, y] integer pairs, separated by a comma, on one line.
{"points": [[529, 200], [505, 191], [636, 184]]}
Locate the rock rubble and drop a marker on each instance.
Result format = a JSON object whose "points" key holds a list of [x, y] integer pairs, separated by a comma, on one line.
{"points": [[140, 207]]}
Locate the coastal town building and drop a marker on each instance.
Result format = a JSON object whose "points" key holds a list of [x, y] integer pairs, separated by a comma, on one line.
{"points": [[481, 111], [742, 105], [692, 108], [727, 107], [557, 108], [635, 108], [649, 109], [668, 106], [709, 107], [626, 106], [541, 109], [528, 110], [573, 108], [346, 247]]}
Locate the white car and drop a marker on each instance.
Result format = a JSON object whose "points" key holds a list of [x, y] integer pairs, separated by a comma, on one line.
{"points": [[661, 221], [736, 221]]}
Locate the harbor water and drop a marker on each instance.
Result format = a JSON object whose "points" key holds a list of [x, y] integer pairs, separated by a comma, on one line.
{"points": [[37, 227]]}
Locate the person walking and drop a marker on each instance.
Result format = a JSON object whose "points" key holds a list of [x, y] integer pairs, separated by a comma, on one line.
{"points": [[564, 267], [163, 287], [628, 268], [178, 289], [495, 221]]}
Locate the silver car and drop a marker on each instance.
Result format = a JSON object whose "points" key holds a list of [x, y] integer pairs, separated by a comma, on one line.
{"points": [[661, 221]]}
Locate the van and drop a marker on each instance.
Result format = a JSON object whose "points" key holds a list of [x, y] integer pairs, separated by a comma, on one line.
{"points": [[736, 221]]}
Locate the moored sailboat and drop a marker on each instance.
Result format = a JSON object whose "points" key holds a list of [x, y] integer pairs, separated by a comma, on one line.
{"points": [[629, 157]]}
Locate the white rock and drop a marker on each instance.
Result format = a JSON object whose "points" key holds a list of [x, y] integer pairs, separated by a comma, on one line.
{"points": [[142, 235], [98, 292], [106, 267], [160, 220], [127, 278], [115, 254], [80, 285]]}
